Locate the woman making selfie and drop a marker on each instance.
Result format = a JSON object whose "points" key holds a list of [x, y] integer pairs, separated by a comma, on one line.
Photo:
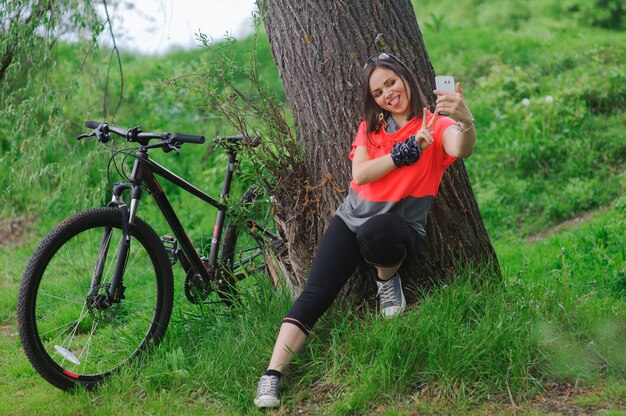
{"points": [[398, 158]]}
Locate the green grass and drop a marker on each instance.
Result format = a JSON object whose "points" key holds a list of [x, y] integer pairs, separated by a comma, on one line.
{"points": [[554, 318]]}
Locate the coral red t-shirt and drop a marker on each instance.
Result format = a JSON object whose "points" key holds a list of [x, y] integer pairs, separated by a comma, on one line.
{"points": [[408, 190]]}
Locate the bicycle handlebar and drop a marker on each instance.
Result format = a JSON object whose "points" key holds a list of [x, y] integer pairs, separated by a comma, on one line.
{"points": [[169, 141], [102, 130], [187, 138]]}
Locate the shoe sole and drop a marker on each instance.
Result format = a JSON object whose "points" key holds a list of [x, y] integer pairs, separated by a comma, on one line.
{"points": [[266, 403], [402, 308]]}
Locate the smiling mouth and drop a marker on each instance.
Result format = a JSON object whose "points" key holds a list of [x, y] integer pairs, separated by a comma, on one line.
{"points": [[394, 100]]}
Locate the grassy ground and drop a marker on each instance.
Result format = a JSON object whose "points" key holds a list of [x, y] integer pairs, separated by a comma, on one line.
{"points": [[549, 338]]}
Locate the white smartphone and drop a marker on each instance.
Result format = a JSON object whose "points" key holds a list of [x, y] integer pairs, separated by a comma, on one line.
{"points": [[445, 83]]}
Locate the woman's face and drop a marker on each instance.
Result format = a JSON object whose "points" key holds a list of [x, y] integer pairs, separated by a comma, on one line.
{"points": [[389, 91]]}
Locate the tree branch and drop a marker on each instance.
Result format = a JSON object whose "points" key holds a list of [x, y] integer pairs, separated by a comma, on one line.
{"points": [[119, 63]]}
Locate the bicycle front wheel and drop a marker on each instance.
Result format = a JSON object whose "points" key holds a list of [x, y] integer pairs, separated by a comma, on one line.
{"points": [[70, 338]]}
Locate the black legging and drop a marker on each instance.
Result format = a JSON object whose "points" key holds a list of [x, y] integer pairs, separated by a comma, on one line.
{"points": [[383, 240]]}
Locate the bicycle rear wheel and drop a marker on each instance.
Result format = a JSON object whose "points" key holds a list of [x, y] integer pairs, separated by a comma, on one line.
{"points": [[70, 339], [249, 247]]}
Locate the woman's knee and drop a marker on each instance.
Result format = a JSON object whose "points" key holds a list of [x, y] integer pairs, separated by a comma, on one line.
{"points": [[383, 239]]}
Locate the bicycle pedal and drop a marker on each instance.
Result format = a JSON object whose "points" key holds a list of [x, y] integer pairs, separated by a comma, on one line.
{"points": [[171, 245]]}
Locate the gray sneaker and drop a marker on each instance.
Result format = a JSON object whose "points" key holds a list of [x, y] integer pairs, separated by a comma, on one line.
{"points": [[267, 392], [391, 297]]}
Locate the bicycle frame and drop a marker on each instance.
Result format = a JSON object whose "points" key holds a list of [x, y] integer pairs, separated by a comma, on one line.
{"points": [[143, 174]]}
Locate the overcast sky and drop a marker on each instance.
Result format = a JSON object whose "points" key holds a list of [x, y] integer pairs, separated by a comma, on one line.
{"points": [[154, 26]]}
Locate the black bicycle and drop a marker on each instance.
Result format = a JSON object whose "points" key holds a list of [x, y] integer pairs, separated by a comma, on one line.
{"points": [[98, 290]]}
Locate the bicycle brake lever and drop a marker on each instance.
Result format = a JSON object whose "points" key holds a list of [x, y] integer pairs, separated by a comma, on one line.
{"points": [[85, 136], [172, 146], [102, 137]]}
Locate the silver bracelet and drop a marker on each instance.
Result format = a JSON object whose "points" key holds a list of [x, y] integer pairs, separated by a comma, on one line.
{"points": [[463, 130]]}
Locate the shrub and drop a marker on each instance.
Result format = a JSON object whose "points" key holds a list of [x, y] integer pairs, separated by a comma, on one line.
{"points": [[608, 14]]}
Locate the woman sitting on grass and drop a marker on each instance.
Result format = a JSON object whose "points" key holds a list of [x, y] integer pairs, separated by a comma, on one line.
{"points": [[398, 158]]}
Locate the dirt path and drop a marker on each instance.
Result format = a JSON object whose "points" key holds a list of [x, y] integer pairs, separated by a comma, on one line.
{"points": [[571, 223], [13, 230]]}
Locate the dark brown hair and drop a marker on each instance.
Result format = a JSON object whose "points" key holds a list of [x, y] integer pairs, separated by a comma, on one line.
{"points": [[371, 110]]}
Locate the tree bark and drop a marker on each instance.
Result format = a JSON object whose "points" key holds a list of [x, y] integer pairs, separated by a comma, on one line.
{"points": [[320, 47]]}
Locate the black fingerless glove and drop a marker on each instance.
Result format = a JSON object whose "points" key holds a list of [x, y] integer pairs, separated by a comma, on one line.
{"points": [[406, 153]]}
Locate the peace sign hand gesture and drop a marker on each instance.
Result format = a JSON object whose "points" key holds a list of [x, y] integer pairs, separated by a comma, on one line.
{"points": [[424, 135]]}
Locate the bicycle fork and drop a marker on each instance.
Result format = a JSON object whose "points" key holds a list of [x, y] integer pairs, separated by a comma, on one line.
{"points": [[114, 292]]}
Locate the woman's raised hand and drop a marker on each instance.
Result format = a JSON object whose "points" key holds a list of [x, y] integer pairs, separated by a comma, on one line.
{"points": [[453, 103], [424, 135]]}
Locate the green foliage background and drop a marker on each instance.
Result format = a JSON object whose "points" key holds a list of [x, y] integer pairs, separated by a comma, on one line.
{"points": [[535, 165]]}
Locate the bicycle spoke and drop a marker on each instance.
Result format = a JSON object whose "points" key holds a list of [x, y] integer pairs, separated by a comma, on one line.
{"points": [[71, 335], [86, 349], [121, 335], [137, 288], [131, 262], [56, 329], [62, 298], [139, 303]]}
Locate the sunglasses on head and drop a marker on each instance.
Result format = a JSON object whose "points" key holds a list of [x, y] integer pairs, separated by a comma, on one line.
{"points": [[383, 56]]}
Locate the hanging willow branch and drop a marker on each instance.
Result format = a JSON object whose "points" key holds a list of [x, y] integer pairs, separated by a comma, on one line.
{"points": [[9, 53], [115, 52]]}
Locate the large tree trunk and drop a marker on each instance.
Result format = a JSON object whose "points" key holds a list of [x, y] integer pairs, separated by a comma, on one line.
{"points": [[320, 47]]}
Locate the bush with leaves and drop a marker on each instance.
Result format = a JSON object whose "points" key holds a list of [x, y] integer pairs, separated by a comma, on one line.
{"points": [[31, 105], [608, 14]]}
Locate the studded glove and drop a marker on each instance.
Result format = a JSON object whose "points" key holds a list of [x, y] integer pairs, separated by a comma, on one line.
{"points": [[406, 153]]}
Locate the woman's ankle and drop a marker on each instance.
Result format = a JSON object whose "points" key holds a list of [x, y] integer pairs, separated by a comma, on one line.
{"points": [[272, 372]]}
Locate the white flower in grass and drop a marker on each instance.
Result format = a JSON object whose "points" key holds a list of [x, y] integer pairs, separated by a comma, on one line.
{"points": [[526, 102], [549, 99]]}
